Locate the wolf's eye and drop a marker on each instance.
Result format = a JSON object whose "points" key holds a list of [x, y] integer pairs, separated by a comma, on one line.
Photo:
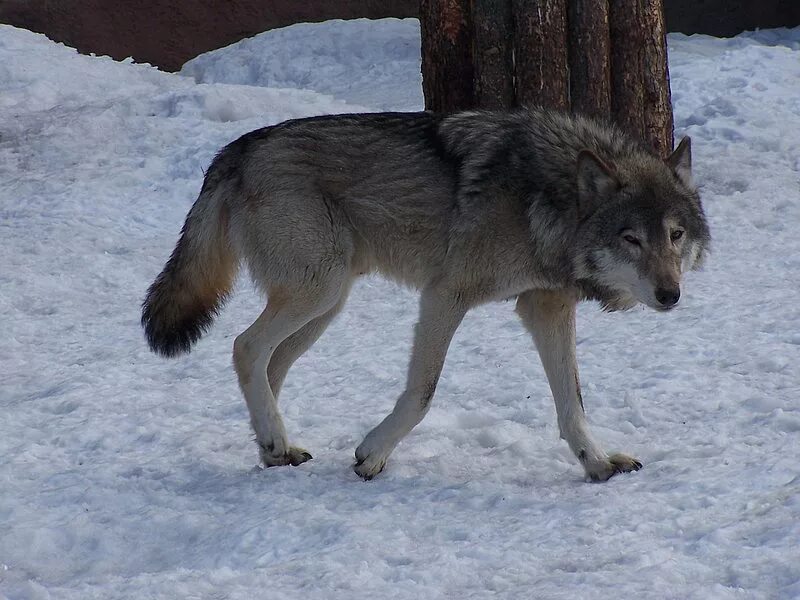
{"points": [[676, 235], [632, 239]]}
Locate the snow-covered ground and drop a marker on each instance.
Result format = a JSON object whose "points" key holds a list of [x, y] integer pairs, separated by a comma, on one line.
{"points": [[123, 475]]}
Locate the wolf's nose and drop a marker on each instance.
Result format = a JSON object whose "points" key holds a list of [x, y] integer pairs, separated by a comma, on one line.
{"points": [[668, 298]]}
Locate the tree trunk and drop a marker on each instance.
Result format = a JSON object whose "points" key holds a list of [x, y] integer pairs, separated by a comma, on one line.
{"points": [[447, 66], [589, 60], [604, 58], [540, 53], [640, 95], [493, 53]]}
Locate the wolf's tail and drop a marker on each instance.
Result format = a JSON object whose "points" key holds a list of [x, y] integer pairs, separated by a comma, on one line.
{"points": [[184, 299]]}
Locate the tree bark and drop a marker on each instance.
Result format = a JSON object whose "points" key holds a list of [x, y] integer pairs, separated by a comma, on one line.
{"points": [[604, 58], [639, 74], [447, 66], [589, 60], [540, 53], [493, 53]]}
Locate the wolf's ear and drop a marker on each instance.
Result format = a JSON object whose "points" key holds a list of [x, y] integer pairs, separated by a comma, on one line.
{"points": [[596, 181], [680, 161]]}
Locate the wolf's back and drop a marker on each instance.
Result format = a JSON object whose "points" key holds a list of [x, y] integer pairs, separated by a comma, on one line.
{"points": [[184, 299]]}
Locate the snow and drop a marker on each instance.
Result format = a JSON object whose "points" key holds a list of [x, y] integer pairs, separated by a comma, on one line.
{"points": [[375, 63], [124, 475]]}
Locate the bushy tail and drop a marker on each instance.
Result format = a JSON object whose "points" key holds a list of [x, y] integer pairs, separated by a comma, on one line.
{"points": [[184, 299]]}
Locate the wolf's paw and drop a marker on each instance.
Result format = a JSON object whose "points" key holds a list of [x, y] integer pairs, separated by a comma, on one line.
{"points": [[616, 463], [367, 468], [293, 456], [368, 464]]}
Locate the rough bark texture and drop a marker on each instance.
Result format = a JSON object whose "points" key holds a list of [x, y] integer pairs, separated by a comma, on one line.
{"points": [[627, 71], [540, 53], [640, 96], [589, 60], [493, 53], [658, 119], [447, 65]]}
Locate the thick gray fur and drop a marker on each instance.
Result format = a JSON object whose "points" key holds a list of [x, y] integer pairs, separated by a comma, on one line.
{"points": [[468, 208]]}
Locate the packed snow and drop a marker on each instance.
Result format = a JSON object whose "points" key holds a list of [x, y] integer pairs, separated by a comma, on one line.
{"points": [[124, 475]]}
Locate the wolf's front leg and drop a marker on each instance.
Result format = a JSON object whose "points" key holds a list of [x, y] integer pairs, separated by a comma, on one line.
{"points": [[440, 315], [550, 317]]}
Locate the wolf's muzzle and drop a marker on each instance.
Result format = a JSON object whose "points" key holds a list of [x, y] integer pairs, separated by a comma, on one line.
{"points": [[668, 298]]}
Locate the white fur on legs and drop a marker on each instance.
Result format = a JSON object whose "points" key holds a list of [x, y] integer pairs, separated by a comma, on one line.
{"points": [[293, 347], [284, 315], [550, 317], [440, 316]]}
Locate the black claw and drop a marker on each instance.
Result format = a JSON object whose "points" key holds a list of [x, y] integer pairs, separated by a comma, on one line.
{"points": [[364, 477], [358, 463], [620, 468], [303, 458]]}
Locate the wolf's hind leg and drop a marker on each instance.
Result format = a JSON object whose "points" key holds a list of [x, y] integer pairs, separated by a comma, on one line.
{"points": [[298, 343], [286, 313], [440, 315], [550, 317]]}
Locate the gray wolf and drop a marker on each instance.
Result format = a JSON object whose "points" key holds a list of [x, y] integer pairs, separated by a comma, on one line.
{"points": [[540, 206]]}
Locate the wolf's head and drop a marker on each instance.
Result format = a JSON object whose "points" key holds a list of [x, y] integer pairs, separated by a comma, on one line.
{"points": [[641, 225]]}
